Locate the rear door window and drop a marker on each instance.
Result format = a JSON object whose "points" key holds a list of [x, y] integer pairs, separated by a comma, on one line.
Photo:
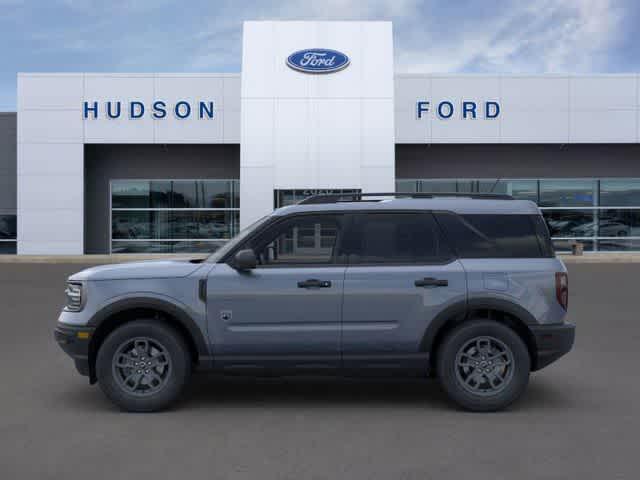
{"points": [[395, 238], [494, 236]]}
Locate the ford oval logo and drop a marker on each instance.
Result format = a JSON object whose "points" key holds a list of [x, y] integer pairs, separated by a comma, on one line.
{"points": [[318, 60]]}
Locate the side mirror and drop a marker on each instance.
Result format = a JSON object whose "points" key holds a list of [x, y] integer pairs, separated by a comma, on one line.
{"points": [[245, 260]]}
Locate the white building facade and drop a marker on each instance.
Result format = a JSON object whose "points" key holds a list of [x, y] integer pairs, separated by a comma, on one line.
{"points": [[110, 163]]}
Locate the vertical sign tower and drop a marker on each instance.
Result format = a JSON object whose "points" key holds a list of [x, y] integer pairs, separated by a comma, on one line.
{"points": [[326, 128]]}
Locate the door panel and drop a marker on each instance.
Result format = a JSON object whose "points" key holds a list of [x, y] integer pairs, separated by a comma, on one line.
{"points": [[385, 313], [265, 315], [401, 275], [286, 312]]}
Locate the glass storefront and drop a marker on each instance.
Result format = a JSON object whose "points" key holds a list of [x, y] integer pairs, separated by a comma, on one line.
{"points": [[282, 198], [173, 216], [8, 234], [602, 214]]}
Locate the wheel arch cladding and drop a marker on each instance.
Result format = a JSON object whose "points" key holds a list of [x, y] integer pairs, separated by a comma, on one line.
{"points": [[502, 311], [124, 311]]}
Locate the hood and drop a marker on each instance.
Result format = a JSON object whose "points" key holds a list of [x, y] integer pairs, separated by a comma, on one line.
{"points": [[139, 270]]}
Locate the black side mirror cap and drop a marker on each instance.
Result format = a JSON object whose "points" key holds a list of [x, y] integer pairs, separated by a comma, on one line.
{"points": [[245, 260]]}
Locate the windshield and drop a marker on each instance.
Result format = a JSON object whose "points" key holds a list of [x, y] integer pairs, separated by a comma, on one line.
{"points": [[231, 244]]}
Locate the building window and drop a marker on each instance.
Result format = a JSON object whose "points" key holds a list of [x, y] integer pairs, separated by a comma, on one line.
{"points": [[173, 216], [282, 198], [602, 214], [8, 235]]}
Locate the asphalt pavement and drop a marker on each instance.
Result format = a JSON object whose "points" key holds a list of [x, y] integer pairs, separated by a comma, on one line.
{"points": [[580, 417]]}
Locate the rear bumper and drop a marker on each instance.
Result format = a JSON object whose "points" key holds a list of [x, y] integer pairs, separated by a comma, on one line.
{"points": [[75, 342], [552, 342]]}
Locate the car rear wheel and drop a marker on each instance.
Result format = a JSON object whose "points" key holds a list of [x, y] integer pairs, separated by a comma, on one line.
{"points": [[143, 366], [483, 365]]}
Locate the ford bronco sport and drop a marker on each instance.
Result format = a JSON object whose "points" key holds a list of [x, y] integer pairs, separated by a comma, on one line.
{"points": [[464, 288]]}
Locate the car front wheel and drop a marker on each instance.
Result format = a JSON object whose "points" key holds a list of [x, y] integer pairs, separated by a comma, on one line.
{"points": [[143, 366], [483, 365]]}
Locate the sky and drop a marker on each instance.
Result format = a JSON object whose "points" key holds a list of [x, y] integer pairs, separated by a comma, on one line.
{"points": [[437, 36]]}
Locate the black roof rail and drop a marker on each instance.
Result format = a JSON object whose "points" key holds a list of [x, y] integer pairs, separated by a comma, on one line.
{"points": [[362, 197]]}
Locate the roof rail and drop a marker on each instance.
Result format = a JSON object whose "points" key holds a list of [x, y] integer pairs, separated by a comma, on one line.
{"points": [[362, 197]]}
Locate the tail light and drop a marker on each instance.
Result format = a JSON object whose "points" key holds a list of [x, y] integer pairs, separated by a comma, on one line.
{"points": [[562, 289]]}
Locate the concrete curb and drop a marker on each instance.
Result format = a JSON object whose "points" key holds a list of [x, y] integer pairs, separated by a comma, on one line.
{"points": [[124, 258], [602, 258]]}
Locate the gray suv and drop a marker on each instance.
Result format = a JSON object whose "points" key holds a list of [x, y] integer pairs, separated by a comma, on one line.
{"points": [[464, 288]]}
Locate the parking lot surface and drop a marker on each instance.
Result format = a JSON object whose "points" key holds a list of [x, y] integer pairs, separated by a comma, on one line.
{"points": [[580, 417]]}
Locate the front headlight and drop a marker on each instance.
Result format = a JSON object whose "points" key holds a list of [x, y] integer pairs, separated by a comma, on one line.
{"points": [[74, 297]]}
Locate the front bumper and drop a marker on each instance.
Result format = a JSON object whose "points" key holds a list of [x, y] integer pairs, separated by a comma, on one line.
{"points": [[552, 342], [75, 342]]}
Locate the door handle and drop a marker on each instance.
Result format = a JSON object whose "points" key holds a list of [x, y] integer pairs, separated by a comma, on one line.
{"points": [[202, 290], [314, 283], [431, 282]]}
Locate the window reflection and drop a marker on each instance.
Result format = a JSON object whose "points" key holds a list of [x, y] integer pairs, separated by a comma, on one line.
{"points": [[564, 205], [567, 193], [569, 223], [620, 193], [299, 241], [169, 216], [130, 194], [619, 223], [284, 197], [165, 247], [175, 194], [174, 224]]}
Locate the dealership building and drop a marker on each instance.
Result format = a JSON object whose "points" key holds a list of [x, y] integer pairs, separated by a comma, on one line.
{"points": [[173, 162]]}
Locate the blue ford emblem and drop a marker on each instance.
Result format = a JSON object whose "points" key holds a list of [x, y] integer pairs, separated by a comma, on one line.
{"points": [[318, 60]]}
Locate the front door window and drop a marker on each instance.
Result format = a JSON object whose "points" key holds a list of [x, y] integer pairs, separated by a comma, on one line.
{"points": [[301, 240]]}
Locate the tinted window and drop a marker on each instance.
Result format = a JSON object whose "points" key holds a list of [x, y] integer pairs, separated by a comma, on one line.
{"points": [[304, 240], [542, 232], [8, 230], [492, 236], [395, 238]]}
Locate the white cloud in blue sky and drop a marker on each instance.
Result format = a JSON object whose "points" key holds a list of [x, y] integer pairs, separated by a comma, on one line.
{"points": [[489, 36]]}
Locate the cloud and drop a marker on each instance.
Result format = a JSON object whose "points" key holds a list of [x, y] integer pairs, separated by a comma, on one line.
{"points": [[438, 36], [539, 37], [485, 36]]}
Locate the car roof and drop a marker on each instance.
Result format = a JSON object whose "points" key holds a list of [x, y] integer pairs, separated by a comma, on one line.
{"points": [[456, 204]]}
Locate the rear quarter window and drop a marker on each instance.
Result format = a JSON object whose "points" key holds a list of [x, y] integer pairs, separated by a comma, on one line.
{"points": [[496, 236]]}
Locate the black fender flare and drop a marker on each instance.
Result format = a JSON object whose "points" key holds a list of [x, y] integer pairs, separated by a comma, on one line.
{"points": [[460, 311], [164, 306]]}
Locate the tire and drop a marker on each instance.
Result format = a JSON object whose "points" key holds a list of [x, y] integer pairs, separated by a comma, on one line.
{"points": [[166, 370], [460, 361]]}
